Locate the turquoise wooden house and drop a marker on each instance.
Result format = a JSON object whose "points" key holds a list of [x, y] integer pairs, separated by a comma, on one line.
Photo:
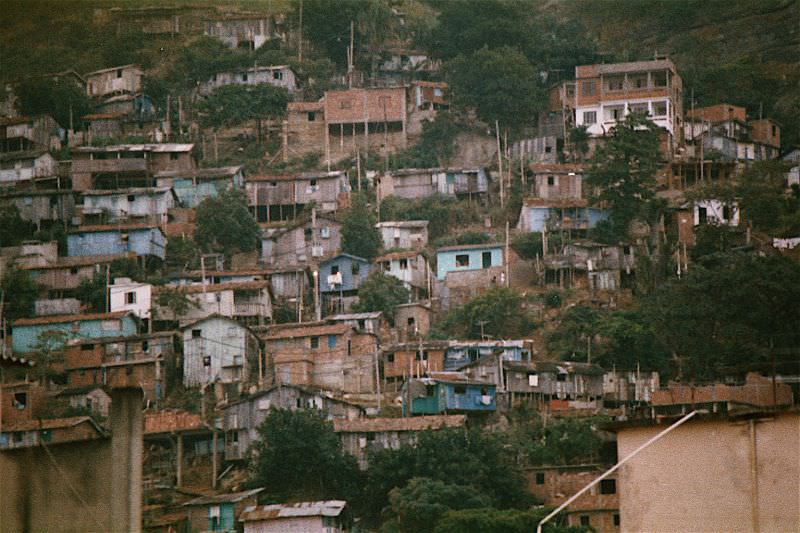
{"points": [[343, 273], [193, 186], [220, 512], [143, 240], [451, 394], [27, 332], [467, 257]]}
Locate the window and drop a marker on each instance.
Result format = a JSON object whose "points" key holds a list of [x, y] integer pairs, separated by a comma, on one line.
{"points": [[334, 270], [362, 324], [551, 180], [277, 75], [626, 250], [613, 113], [244, 76], [313, 183], [349, 347], [214, 77], [355, 268], [311, 116], [346, 104], [460, 389], [486, 259], [533, 379], [660, 79], [726, 212], [659, 109], [131, 198], [87, 347], [111, 325], [640, 108], [196, 333], [615, 84], [774, 131], [590, 117], [585, 520], [331, 341], [20, 400], [702, 215], [410, 322], [130, 297], [404, 264], [314, 343], [173, 156], [430, 390], [73, 271], [325, 232], [540, 478], [308, 234], [390, 358], [119, 73], [207, 360], [608, 486], [462, 260], [588, 88], [422, 356], [561, 376], [616, 519], [640, 82], [145, 346]]}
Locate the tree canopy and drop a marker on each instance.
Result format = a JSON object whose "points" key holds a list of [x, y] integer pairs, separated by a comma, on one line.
{"points": [[224, 224], [360, 237], [233, 104], [500, 308], [20, 292], [298, 456], [57, 98], [381, 292]]}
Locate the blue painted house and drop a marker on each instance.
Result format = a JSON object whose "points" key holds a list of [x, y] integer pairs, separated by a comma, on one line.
{"points": [[467, 257], [343, 272], [193, 186], [26, 331], [444, 394], [540, 214], [461, 353], [141, 239]]}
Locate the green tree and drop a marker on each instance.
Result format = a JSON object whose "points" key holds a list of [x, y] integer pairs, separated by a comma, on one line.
{"points": [[454, 456], [579, 142], [435, 147], [224, 224], [175, 301], [624, 170], [732, 313], [381, 292], [230, 105], [360, 237], [53, 97], [490, 520], [199, 61], [182, 253], [502, 311], [420, 504], [48, 353], [298, 456], [20, 292], [764, 202], [92, 292], [13, 230], [501, 85], [445, 215]]}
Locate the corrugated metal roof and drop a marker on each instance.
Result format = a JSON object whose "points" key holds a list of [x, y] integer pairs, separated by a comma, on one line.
{"points": [[293, 510], [555, 202], [113, 227], [54, 423], [84, 260], [224, 498], [355, 316], [291, 333], [171, 421], [402, 224], [416, 423], [213, 287], [112, 68], [212, 172], [396, 255], [455, 248], [159, 147]]}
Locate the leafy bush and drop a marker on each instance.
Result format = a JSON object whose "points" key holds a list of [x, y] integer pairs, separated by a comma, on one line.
{"points": [[444, 214]]}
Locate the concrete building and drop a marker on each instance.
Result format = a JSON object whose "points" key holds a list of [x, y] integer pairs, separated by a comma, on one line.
{"points": [[142, 239], [552, 214], [278, 76], [128, 295], [716, 212], [241, 30], [412, 321], [713, 473], [274, 198], [360, 437], [334, 357], [404, 234], [127, 165], [309, 517], [606, 93], [242, 418], [26, 332], [126, 79], [220, 349]]}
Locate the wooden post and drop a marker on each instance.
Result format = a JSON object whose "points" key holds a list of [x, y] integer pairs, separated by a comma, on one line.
{"points": [[179, 462], [216, 147], [285, 147], [500, 165], [508, 271], [214, 465]]}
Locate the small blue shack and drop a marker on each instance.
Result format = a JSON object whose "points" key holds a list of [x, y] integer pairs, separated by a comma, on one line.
{"points": [[448, 394], [350, 270], [548, 214], [26, 331], [462, 353], [467, 257], [141, 239], [193, 186]]}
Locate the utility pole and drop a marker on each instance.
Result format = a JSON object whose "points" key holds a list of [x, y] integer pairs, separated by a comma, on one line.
{"points": [[500, 165], [350, 57], [300, 35], [482, 323], [508, 271]]}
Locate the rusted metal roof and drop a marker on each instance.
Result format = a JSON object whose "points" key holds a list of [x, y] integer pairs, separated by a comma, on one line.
{"points": [[293, 510], [416, 423], [232, 497], [53, 423], [213, 287], [555, 202], [171, 422], [59, 319], [291, 333], [84, 260]]}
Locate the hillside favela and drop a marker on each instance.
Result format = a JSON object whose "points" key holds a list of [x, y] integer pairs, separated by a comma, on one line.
{"points": [[400, 266]]}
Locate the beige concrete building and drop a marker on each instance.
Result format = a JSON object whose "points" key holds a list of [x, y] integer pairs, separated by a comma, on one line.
{"points": [[734, 473]]}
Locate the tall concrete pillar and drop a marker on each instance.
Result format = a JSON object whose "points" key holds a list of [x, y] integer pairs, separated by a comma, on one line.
{"points": [[127, 446]]}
